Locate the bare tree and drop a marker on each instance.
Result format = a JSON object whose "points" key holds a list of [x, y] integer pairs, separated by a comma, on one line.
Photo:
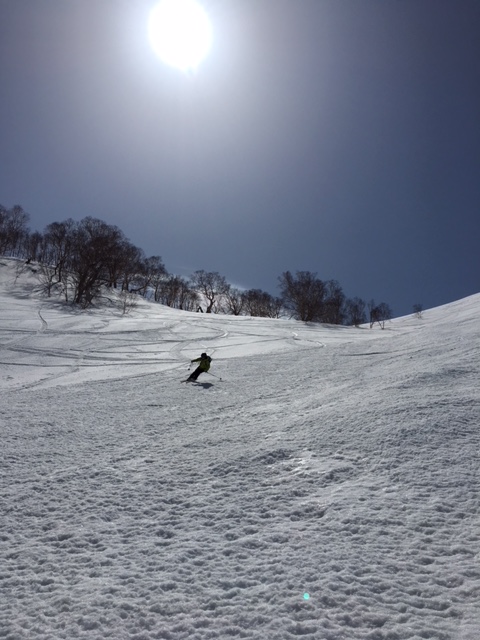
{"points": [[303, 295], [188, 299], [152, 273], [123, 264], [87, 255], [167, 291], [58, 238], [32, 247], [234, 301], [151, 270], [128, 301], [211, 285], [13, 229], [355, 311], [175, 291], [261, 304], [334, 303], [253, 302], [95, 244], [418, 310], [379, 313], [3, 230], [273, 307]]}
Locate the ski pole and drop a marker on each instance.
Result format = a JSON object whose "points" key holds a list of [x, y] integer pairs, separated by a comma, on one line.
{"points": [[212, 374]]}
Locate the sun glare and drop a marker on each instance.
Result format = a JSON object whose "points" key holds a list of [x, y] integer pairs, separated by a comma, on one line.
{"points": [[180, 33]]}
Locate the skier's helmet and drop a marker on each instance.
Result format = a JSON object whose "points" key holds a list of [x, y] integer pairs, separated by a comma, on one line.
{"points": [[204, 355]]}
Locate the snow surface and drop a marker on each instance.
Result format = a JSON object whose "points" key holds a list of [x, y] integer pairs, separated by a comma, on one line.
{"points": [[327, 487]]}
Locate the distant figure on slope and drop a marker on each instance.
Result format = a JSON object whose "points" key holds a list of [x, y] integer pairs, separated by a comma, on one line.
{"points": [[203, 367]]}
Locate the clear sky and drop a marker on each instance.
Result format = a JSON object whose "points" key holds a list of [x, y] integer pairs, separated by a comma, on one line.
{"points": [[340, 137]]}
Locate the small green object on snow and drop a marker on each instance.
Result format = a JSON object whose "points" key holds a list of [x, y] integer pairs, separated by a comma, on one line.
{"points": [[306, 596]]}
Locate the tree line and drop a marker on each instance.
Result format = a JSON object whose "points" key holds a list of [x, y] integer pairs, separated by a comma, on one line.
{"points": [[82, 259]]}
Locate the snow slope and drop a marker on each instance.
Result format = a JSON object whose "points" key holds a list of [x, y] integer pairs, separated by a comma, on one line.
{"points": [[328, 487]]}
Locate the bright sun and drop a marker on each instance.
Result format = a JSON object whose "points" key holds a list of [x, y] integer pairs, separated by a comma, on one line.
{"points": [[180, 33]]}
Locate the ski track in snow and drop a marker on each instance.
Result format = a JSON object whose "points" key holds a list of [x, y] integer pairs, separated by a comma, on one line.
{"points": [[334, 462]]}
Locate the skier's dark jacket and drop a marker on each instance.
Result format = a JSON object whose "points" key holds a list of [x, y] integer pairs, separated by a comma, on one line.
{"points": [[204, 361]]}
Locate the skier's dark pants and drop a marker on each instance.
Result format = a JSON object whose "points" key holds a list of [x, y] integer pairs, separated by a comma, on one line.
{"points": [[196, 373]]}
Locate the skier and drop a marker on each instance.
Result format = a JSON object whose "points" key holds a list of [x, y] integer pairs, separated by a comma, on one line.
{"points": [[203, 367]]}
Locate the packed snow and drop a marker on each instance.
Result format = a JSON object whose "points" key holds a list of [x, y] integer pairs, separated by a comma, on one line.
{"points": [[320, 482]]}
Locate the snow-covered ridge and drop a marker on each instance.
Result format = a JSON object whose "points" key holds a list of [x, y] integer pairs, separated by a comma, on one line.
{"points": [[49, 343], [326, 488]]}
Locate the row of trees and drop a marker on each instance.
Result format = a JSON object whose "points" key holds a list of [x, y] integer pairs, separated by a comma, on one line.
{"points": [[313, 300], [82, 259]]}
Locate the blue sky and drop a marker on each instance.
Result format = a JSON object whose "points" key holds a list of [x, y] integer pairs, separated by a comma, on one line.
{"points": [[340, 137]]}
